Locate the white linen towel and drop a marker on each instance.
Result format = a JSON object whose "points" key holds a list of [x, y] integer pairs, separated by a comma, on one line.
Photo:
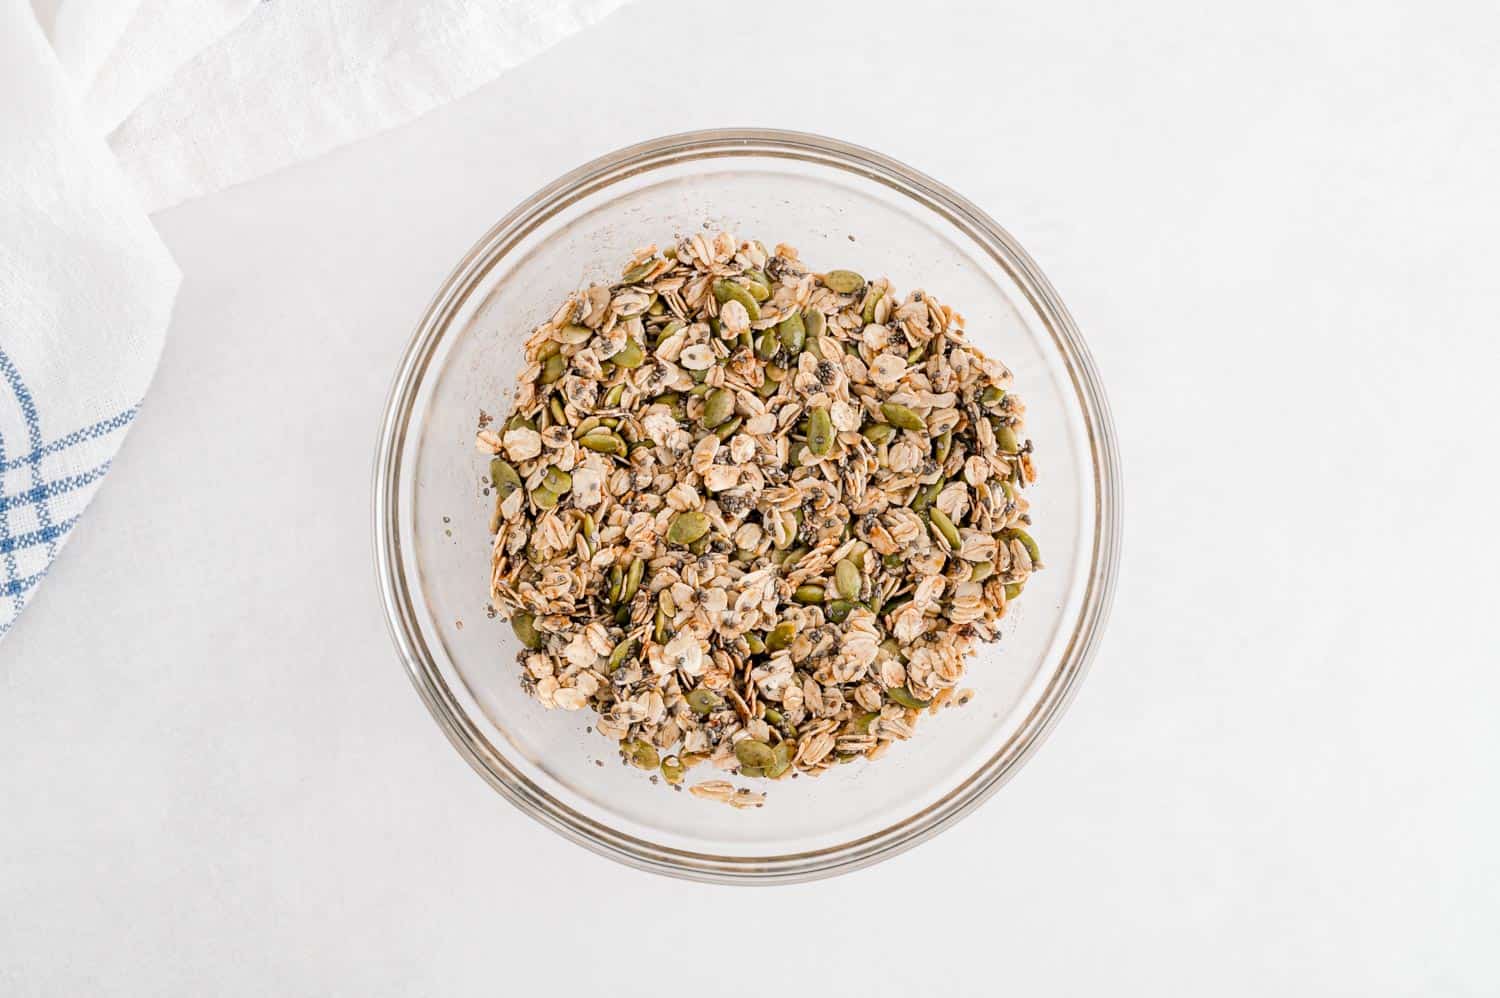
{"points": [[115, 108]]}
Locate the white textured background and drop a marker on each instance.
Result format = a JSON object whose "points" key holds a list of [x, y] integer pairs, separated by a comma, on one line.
{"points": [[1276, 225]]}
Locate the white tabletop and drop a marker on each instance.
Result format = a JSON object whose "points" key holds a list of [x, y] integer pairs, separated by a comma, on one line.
{"points": [[1276, 226]]}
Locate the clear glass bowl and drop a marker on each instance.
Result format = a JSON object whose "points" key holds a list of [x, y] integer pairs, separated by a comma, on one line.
{"points": [[841, 206]]}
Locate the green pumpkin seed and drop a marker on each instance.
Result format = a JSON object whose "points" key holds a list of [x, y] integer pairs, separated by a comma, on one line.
{"points": [[547, 349], [767, 345], [553, 368], [758, 284], [819, 431], [602, 441], [808, 594], [543, 498], [659, 626], [1005, 439], [524, 624], [672, 770], [781, 760], [1028, 543], [868, 315], [863, 722], [667, 330], [991, 396], [504, 477], [839, 610], [944, 446], [753, 753], [727, 291], [944, 526], [703, 701], [641, 753], [754, 643], [630, 356], [726, 430], [637, 272], [555, 407], [814, 323], [700, 546], [585, 427], [633, 580], [900, 415], [657, 306], [557, 480], [719, 406], [891, 561], [1013, 589], [781, 636], [878, 433], [616, 584], [768, 388], [847, 579], [573, 334], [902, 695], [687, 527], [792, 333], [925, 497], [982, 571], [620, 653], [845, 282]]}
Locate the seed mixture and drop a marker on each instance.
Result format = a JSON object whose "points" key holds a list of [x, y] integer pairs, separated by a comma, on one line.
{"points": [[754, 515]]}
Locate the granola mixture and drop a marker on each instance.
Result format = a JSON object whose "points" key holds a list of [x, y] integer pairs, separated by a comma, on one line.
{"points": [[754, 515]]}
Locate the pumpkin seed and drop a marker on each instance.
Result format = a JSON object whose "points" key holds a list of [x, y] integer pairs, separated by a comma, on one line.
{"points": [[630, 356], [981, 571], [781, 636], [726, 430], [792, 332], [524, 624], [781, 760], [902, 695], [901, 416], [814, 323], [944, 446], [1005, 439], [602, 441], [944, 526], [687, 527], [621, 652], [553, 368], [672, 770], [847, 579], [753, 753], [703, 701], [754, 643], [1013, 589], [633, 577], [845, 282], [839, 610], [557, 480], [878, 433], [727, 291], [1028, 543], [863, 722], [808, 593], [819, 431], [873, 299], [641, 753], [543, 498], [718, 408], [574, 334], [504, 477]]}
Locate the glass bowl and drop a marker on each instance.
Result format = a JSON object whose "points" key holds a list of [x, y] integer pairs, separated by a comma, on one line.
{"points": [[841, 206]]}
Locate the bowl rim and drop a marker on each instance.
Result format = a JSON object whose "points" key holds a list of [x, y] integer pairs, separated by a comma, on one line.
{"points": [[401, 614]]}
